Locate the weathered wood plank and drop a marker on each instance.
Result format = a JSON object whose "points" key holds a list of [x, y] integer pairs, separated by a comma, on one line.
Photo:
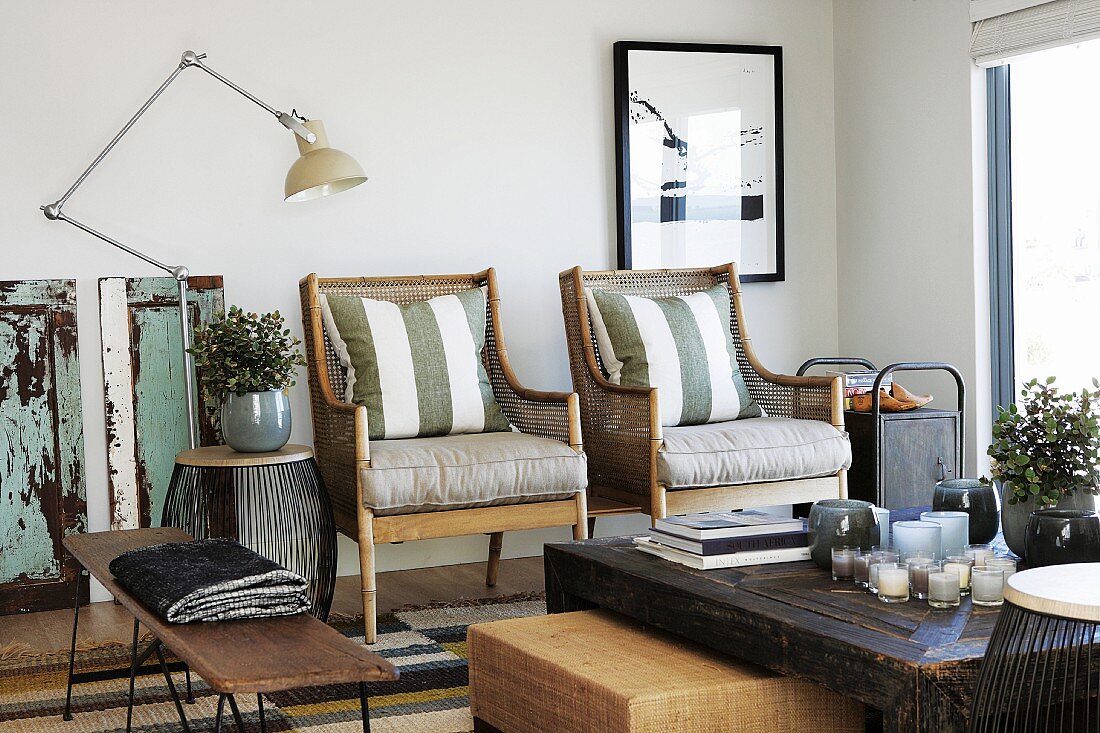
{"points": [[42, 482], [145, 398]]}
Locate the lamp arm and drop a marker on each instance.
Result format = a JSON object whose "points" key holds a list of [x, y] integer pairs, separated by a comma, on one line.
{"points": [[187, 60], [54, 211]]}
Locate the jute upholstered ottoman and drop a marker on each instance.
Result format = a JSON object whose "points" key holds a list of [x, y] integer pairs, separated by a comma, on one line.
{"points": [[598, 672]]}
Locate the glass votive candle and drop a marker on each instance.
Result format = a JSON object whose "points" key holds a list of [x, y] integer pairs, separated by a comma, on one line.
{"points": [[962, 565], [882, 518], [979, 553], [893, 582], [918, 576], [878, 557], [943, 588], [987, 586], [861, 564], [844, 562], [914, 537], [1007, 564]]}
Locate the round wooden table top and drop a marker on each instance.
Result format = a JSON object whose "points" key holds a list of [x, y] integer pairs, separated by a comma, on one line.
{"points": [[222, 456], [1070, 591]]}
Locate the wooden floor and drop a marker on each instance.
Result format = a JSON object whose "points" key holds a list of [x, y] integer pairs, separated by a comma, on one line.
{"points": [[107, 622]]}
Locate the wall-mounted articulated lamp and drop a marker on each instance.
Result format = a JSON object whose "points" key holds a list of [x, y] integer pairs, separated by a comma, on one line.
{"points": [[319, 171]]}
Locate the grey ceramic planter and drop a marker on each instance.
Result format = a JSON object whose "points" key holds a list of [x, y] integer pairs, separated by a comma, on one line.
{"points": [[1014, 517], [256, 422]]}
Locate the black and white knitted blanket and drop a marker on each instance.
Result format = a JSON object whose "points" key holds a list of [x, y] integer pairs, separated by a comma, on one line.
{"points": [[210, 580]]}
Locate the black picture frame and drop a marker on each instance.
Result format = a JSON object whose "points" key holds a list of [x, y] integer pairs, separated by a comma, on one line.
{"points": [[622, 50]]}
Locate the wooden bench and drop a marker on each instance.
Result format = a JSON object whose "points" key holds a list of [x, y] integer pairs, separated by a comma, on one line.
{"points": [[247, 656], [599, 671]]}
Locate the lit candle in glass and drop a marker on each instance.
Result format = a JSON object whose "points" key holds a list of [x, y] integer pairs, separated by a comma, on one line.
{"points": [[960, 564], [943, 588], [987, 586], [844, 562], [893, 582]]}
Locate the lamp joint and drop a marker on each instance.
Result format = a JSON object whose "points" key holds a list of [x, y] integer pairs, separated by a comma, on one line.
{"points": [[52, 211]]}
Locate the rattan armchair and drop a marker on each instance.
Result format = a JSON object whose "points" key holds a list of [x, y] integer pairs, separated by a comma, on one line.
{"points": [[622, 429], [344, 453]]}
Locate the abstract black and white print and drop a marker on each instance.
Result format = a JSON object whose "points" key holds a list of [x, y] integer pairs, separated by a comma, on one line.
{"points": [[700, 158]]}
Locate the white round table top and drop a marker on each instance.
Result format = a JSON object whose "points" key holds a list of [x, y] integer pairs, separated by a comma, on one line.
{"points": [[222, 456], [1070, 591]]}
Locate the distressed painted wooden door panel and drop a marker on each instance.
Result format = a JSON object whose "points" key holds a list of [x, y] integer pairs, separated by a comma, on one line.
{"points": [[42, 485], [144, 388]]}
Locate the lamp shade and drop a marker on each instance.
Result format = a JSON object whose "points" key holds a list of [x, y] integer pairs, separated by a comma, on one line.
{"points": [[320, 170]]}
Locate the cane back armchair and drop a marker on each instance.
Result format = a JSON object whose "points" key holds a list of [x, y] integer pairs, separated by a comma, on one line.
{"points": [[624, 439], [343, 450]]}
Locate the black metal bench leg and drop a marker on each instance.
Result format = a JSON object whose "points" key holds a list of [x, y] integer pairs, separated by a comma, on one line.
{"points": [[260, 702], [68, 715], [236, 713], [218, 714], [133, 674], [171, 687], [363, 706], [187, 677]]}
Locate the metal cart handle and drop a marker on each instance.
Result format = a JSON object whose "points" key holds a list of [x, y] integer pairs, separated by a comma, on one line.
{"points": [[838, 360]]}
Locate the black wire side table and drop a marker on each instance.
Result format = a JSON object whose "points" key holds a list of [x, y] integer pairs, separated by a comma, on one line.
{"points": [[1041, 670], [274, 503]]}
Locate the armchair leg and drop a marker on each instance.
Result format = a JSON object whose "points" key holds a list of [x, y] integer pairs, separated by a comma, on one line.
{"points": [[582, 530], [366, 575], [496, 540], [658, 505]]}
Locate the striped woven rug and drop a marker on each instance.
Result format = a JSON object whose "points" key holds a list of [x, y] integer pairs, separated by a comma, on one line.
{"points": [[428, 644]]}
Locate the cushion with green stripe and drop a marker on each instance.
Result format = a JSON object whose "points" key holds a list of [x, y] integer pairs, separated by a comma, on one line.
{"points": [[680, 344], [416, 367]]}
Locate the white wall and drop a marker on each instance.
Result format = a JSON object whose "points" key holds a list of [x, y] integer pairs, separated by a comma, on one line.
{"points": [[911, 197], [485, 128]]}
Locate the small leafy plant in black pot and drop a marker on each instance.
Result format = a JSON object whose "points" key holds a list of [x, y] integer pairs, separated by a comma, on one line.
{"points": [[246, 363], [1046, 454]]}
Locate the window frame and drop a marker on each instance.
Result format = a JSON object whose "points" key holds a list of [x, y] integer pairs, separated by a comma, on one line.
{"points": [[1001, 330]]}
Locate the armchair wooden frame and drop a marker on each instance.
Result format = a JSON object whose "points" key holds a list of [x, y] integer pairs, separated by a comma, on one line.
{"points": [[343, 449], [622, 428]]}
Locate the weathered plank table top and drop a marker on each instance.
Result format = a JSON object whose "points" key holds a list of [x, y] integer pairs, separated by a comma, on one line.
{"points": [[254, 655], [917, 664]]}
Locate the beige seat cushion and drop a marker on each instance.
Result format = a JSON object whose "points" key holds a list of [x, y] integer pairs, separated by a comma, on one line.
{"points": [[463, 471], [751, 451], [598, 671]]}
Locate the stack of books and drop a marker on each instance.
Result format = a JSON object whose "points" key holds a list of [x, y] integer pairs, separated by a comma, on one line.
{"points": [[710, 540], [860, 382]]}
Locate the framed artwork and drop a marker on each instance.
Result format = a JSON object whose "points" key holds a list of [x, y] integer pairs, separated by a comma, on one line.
{"points": [[699, 156]]}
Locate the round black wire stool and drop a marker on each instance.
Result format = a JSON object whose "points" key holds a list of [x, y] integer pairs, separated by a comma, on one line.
{"points": [[274, 503], [1041, 671]]}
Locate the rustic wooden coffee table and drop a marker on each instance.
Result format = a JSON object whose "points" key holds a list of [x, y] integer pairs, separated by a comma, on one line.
{"points": [[247, 656], [916, 664]]}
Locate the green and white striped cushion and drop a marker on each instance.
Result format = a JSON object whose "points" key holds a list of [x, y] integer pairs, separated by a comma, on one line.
{"points": [[682, 345], [416, 367]]}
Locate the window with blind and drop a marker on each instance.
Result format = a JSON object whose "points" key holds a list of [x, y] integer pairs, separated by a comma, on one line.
{"points": [[1045, 217]]}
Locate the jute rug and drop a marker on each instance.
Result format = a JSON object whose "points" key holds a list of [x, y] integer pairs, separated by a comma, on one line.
{"points": [[428, 644]]}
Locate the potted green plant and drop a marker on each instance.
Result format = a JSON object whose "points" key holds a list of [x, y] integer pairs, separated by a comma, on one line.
{"points": [[246, 362], [1045, 453]]}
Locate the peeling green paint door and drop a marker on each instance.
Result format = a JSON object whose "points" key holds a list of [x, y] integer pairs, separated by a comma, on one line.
{"points": [[144, 387], [42, 492]]}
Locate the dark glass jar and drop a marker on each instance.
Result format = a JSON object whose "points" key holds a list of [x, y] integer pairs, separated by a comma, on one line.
{"points": [[1062, 536], [837, 523], [981, 501]]}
